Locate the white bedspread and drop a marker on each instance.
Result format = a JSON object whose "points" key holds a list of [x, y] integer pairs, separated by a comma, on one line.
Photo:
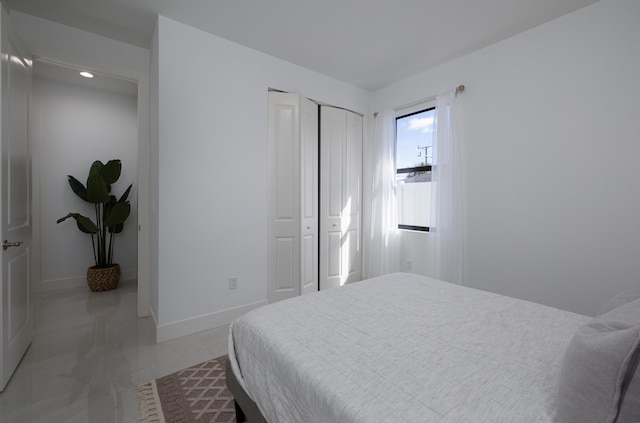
{"points": [[402, 348]]}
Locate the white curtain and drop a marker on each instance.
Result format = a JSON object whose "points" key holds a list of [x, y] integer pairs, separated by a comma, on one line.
{"points": [[445, 252], [384, 243]]}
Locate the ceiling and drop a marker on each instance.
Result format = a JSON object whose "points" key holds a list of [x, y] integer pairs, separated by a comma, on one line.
{"points": [[69, 75], [367, 43]]}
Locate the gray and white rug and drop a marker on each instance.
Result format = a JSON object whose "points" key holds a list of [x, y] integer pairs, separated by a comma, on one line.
{"points": [[196, 394]]}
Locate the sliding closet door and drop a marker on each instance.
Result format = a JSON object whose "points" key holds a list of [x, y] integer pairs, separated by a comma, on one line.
{"points": [[284, 197], [340, 194]]}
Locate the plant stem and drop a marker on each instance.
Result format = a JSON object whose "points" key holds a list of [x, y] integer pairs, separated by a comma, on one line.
{"points": [[97, 234], [104, 237], [95, 257], [112, 242], [101, 245]]}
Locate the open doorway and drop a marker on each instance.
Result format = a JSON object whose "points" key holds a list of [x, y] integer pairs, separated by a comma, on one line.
{"points": [[74, 121]]}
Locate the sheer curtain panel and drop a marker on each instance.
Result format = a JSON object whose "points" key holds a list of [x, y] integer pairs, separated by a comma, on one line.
{"points": [[384, 244], [445, 254]]}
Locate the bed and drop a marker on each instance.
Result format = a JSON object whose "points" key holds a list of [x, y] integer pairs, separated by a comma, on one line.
{"points": [[406, 348]]}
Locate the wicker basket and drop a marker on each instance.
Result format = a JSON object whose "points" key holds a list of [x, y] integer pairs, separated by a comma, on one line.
{"points": [[103, 278]]}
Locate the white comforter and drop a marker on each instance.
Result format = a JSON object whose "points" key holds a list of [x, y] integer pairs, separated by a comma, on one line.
{"points": [[402, 348]]}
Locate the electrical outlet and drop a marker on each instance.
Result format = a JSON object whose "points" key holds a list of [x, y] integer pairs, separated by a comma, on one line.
{"points": [[409, 265], [233, 282]]}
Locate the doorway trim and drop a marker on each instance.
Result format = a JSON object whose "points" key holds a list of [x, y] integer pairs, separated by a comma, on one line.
{"points": [[144, 218]]}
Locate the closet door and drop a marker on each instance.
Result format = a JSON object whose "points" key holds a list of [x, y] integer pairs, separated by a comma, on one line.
{"points": [[352, 210], [284, 197], [340, 196], [293, 196], [309, 196]]}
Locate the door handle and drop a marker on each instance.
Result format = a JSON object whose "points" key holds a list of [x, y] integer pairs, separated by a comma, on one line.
{"points": [[6, 244]]}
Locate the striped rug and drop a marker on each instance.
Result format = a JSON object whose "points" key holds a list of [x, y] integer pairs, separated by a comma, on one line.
{"points": [[196, 394]]}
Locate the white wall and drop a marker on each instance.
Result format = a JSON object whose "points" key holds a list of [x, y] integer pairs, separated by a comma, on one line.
{"points": [[549, 132], [212, 141], [73, 126]]}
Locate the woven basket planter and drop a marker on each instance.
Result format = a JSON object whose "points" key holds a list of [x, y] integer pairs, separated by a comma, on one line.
{"points": [[103, 278]]}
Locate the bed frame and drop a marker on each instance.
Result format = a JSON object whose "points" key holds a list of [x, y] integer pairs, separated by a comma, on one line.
{"points": [[246, 409]]}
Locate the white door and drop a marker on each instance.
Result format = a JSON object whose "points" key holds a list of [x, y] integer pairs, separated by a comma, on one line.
{"points": [[340, 196], [284, 197], [352, 211], [309, 196], [293, 196], [15, 213]]}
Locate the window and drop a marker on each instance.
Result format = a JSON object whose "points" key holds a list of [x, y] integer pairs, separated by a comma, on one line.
{"points": [[414, 153]]}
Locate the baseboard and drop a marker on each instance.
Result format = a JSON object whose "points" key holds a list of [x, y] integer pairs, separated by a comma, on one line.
{"points": [[155, 323], [79, 281], [201, 323]]}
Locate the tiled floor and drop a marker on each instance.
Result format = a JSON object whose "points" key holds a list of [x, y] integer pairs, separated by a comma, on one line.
{"points": [[89, 353]]}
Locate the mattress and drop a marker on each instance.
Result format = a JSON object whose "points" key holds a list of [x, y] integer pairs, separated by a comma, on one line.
{"points": [[402, 347]]}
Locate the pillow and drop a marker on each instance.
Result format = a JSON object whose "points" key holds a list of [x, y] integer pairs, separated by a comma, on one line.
{"points": [[598, 379], [621, 299]]}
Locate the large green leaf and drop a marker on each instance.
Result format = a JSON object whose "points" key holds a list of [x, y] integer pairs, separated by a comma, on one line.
{"points": [[116, 229], [108, 206], [97, 190], [125, 195], [77, 187], [87, 224], [118, 214], [83, 229], [111, 171], [96, 168]]}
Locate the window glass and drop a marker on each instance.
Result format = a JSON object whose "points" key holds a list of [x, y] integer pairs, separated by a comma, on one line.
{"points": [[414, 157]]}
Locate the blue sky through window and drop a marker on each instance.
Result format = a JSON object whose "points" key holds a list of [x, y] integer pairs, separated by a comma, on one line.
{"points": [[412, 132]]}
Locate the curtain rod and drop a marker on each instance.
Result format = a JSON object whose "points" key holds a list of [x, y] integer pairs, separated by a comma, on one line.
{"points": [[459, 89]]}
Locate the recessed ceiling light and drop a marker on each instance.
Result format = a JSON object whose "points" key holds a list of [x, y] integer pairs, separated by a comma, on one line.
{"points": [[86, 74]]}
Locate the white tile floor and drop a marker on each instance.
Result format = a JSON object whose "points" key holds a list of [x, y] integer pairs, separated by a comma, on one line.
{"points": [[89, 353]]}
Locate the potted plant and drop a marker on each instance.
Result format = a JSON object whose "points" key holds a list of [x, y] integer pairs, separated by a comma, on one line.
{"points": [[110, 215]]}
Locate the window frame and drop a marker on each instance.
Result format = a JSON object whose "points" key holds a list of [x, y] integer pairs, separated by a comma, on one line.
{"points": [[400, 114]]}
